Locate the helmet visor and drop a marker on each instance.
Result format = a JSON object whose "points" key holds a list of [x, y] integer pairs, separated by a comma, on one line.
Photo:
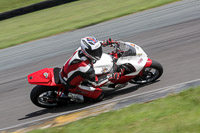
{"points": [[95, 54]]}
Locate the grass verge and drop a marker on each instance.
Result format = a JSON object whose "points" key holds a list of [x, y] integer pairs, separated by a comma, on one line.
{"points": [[68, 17], [6, 5], [174, 114]]}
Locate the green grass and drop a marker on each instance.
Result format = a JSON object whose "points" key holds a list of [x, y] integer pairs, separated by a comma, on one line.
{"points": [[178, 113], [6, 5], [68, 17]]}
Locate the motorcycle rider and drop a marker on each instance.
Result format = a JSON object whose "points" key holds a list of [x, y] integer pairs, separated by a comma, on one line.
{"points": [[79, 68]]}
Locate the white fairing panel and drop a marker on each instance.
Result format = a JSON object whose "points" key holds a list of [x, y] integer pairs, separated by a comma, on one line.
{"points": [[136, 56], [104, 65], [138, 61]]}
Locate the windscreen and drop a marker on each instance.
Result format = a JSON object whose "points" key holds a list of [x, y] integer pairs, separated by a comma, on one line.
{"points": [[128, 50]]}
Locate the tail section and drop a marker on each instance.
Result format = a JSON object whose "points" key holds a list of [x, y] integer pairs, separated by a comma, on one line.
{"points": [[42, 77]]}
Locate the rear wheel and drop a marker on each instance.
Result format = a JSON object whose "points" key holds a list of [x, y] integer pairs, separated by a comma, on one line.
{"points": [[44, 96], [149, 74]]}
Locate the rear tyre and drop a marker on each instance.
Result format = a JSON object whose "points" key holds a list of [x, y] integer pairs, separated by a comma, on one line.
{"points": [[44, 96], [150, 74]]}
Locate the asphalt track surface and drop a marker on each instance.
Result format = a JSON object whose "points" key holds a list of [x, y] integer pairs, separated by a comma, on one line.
{"points": [[169, 34]]}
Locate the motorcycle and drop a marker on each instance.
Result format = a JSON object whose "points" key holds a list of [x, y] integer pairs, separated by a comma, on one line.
{"points": [[138, 69]]}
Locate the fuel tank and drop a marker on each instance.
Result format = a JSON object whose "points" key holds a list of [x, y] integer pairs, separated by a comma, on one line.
{"points": [[104, 65]]}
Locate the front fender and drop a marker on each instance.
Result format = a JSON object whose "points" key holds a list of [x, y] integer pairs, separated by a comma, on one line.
{"points": [[148, 63]]}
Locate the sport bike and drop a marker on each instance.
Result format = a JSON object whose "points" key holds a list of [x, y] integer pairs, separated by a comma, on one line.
{"points": [[138, 69]]}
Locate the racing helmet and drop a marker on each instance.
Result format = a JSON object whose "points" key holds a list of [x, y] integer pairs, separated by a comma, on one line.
{"points": [[91, 48]]}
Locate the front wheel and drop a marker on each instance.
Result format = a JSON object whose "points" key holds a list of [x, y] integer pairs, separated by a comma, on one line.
{"points": [[44, 96], [149, 74]]}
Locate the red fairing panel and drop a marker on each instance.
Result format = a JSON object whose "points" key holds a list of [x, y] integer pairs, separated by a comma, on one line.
{"points": [[124, 79], [42, 77]]}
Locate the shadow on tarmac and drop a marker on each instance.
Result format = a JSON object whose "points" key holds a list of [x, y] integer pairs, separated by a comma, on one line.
{"points": [[75, 106]]}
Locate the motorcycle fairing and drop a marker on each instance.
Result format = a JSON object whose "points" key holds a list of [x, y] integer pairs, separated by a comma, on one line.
{"points": [[138, 61], [42, 77], [133, 55]]}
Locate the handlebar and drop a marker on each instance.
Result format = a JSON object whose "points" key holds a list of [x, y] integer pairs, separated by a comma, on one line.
{"points": [[125, 49], [118, 51], [116, 45]]}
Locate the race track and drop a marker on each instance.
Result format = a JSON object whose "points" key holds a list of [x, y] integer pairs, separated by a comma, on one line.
{"points": [[169, 34]]}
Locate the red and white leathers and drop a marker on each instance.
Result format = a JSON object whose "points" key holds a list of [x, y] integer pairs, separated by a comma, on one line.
{"points": [[78, 69]]}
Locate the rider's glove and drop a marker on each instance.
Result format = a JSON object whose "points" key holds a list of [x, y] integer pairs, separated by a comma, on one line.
{"points": [[114, 76], [108, 42]]}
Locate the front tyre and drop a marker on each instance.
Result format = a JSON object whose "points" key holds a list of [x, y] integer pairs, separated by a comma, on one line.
{"points": [[44, 96], [149, 74]]}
